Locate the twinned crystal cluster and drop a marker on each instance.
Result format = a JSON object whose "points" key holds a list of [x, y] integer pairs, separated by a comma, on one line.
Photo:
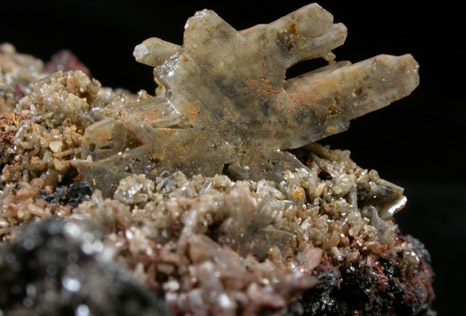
{"points": [[210, 197]]}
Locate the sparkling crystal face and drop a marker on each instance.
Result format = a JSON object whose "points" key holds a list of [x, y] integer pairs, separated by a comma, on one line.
{"points": [[224, 104]]}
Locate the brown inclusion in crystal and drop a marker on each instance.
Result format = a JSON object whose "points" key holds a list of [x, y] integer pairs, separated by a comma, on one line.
{"points": [[223, 103]]}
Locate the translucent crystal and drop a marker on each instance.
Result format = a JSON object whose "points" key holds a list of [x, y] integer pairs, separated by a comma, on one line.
{"points": [[224, 105]]}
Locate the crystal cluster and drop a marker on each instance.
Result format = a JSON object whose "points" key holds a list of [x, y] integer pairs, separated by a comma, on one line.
{"points": [[223, 102], [213, 193]]}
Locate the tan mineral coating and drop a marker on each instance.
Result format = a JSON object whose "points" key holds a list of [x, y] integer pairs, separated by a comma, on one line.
{"points": [[223, 103]]}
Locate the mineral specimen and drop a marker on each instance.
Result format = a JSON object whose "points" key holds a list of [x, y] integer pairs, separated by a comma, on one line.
{"points": [[195, 191]]}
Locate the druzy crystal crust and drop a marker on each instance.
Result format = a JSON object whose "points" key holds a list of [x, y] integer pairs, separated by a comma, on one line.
{"points": [[213, 193]]}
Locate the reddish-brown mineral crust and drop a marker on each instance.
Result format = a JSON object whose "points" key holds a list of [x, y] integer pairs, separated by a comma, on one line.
{"points": [[64, 60]]}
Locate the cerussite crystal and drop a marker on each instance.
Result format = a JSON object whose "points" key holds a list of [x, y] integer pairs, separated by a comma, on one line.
{"points": [[224, 104]]}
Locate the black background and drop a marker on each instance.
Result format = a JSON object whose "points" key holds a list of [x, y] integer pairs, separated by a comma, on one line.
{"points": [[417, 142]]}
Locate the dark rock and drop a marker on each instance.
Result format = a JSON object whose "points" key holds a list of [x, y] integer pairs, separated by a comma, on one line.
{"points": [[63, 268], [369, 287]]}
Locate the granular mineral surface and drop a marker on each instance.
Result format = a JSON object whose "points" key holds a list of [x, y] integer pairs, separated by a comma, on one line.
{"points": [[210, 197]]}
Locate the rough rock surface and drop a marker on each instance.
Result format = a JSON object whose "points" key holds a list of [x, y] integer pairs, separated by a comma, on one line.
{"points": [[194, 191], [63, 268]]}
